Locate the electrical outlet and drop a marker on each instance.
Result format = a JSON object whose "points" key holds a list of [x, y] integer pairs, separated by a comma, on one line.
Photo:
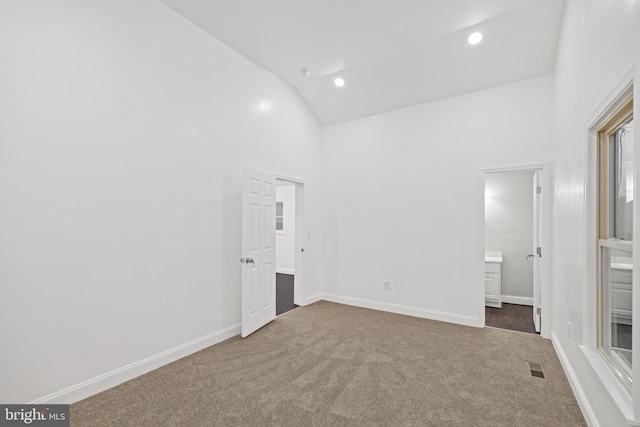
{"points": [[387, 285], [568, 330]]}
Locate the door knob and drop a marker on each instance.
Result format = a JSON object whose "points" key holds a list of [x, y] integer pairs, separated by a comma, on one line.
{"points": [[529, 256]]}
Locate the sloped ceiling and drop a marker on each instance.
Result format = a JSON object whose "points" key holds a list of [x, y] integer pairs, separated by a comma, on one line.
{"points": [[390, 53]]}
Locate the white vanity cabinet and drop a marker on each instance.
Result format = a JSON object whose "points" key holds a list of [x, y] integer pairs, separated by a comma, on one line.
{"points": [[493, 279]]}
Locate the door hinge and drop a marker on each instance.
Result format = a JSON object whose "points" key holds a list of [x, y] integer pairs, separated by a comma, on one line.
{"points": [[539, 311], [539, 251], [538, 190]]}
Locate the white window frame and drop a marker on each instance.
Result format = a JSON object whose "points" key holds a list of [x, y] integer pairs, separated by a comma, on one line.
{"points": [[627, 399]]}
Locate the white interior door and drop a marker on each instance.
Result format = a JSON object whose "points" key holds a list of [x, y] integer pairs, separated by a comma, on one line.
{"points": [[258, 250], [537, 247]]}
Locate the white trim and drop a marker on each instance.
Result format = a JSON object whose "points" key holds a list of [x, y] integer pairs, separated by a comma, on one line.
{"points": [[285, 271], [118, 376], [288, 178], [613, 385], [620, 245], [578, 391], [616, 98], [300, 243], [626, 88], [442, 316], [590, 219], [516, 168], [511, 299], [636, 243]]}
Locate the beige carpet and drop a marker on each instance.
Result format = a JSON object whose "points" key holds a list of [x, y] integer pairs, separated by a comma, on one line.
{"points": [[333, 365]]}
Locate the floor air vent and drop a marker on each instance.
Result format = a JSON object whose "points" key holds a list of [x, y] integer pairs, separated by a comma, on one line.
{"points": [[536, 370]]}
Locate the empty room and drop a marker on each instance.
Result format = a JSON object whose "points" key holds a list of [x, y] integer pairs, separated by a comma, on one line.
{"points": [[165, 163]]}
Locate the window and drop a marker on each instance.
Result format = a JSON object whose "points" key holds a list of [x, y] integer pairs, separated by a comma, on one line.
{"points": [[615, 235], [279, 217]]}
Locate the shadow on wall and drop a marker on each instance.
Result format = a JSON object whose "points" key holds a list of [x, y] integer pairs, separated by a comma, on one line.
{"points": [[230, 298]]}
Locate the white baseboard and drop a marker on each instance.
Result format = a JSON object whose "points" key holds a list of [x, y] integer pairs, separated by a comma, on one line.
{"points": [[510, 299], [111, 379], [285, 271], [581, 397], [407, 310]]}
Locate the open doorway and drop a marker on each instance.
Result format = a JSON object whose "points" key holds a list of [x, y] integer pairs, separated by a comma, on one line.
{"points": [[288, 217], [513, 249]]}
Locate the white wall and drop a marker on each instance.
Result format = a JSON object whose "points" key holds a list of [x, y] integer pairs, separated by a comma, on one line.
{"points": [[123, 134], [286, 239], [600, 40], [509, 228], [124, 130], [403, 197]]}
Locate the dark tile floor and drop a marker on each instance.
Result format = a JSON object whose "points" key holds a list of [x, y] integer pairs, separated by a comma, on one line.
{"points": [[284, 293], [511, 316]]}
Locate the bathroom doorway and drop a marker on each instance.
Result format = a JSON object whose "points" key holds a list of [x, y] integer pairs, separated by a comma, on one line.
{"points": [[513, 235], [288, 243]]}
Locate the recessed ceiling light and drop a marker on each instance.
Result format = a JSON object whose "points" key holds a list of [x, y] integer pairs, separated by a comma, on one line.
{"points": [[475, 38], [339, 82], [305, 72]]}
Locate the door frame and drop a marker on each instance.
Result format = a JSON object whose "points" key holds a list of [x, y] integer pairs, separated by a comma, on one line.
{"points": [[545, 198], [298, 283]]}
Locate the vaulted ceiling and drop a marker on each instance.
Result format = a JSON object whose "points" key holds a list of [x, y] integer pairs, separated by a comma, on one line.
{"points": [[390, 53]]}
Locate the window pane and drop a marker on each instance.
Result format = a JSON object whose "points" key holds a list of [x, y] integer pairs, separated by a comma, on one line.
{"points": [[617, 272], [278, 208], [622, 182]]}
